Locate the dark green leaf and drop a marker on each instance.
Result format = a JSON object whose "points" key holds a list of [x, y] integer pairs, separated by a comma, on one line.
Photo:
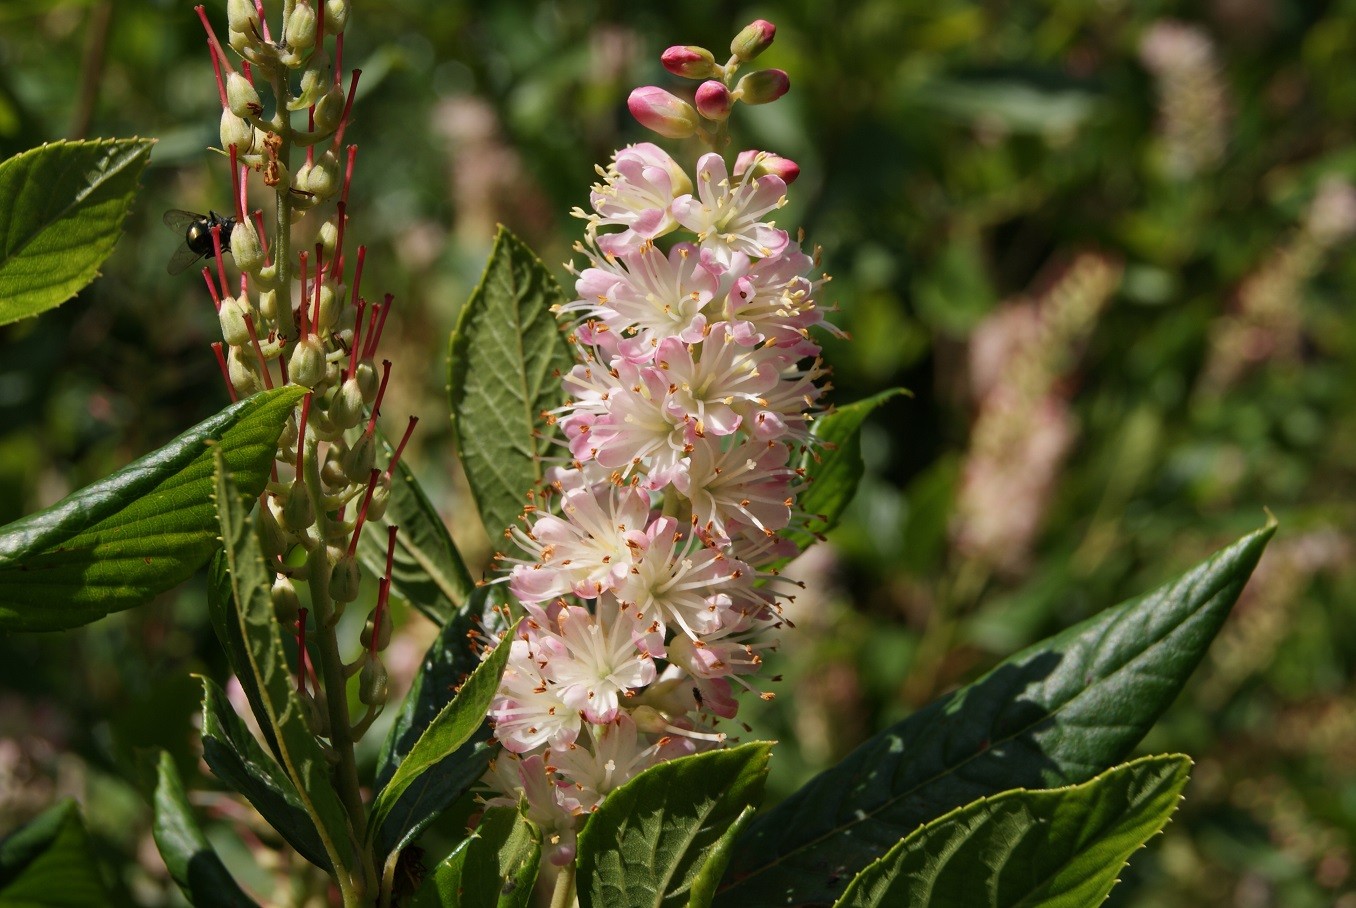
{"points": [[61, 211], [646, 843], [189, 857], [300, 752], [428, 570], [712, 871], [238, 760], [496, 866], [117, 543], [47, 864], [1061, 848], [507, 358], [226, 623], [1054, 714]]}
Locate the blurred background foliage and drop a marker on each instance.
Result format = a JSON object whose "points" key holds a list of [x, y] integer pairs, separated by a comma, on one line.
{"points": [[1106, 245]]}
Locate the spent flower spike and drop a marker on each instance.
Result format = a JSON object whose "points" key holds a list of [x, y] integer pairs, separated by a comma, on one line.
{"points": [[648, 571]]}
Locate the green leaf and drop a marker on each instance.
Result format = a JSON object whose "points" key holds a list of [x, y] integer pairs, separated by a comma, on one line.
{"points": [[506, 360], [238, 760], [189, 857], [1061, 848], [226, 623], [300, 752], [646, 843], [46, 863], [1055, 714], [452, 727], [62, 211], [708, 878], [833, 466], [428, 570], [496, 866], [115, 544]]}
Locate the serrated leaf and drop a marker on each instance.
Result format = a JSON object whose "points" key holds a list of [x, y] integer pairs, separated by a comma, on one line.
{"points": [[507, 355], [192, 862], [453, 726], [115, 544], [497, 865], [61, 212], [226, 624], [646, 843], [1059, 848], [46, 863], [1057, 713], [300, 753], [237, 759], [428, 570]]}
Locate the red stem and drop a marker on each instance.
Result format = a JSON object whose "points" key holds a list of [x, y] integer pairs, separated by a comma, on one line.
{"points": [[225, 371], [395, 458]]}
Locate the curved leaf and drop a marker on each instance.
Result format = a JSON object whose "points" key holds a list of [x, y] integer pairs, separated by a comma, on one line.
{"points": [[1060, 848], [1057, 713], [115, 544], [708, 878], [46, 863], [496, 866], [507, 355], [61, 211]]}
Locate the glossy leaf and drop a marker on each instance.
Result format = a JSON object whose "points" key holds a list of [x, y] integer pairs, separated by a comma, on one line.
{"points": [[192, 862], [1054, 714], [238, 760], [115, 544], [708, 878], [647, 842], [226, 623], [506, 360], [496, 866], [46, 863], [300, 753], [1059, 848], [61, 212]]}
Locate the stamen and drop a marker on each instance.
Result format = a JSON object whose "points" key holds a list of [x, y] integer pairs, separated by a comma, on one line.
{"points": [[395, 458], [225, 371]]}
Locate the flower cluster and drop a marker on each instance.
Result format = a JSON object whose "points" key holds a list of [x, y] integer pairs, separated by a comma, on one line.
{"points": [[649, 581]]}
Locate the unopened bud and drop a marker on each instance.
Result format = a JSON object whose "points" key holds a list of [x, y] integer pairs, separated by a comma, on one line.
{"points": [[358, 460], [241, 371], [246, 249], [287, 441], [231, 315], [649, 720], [763, 86], [268, 305], [690, 62], [300, 27], [297, 512], [346, 409], [662, 112], [315, 81], [713, 100], [241, 97], [752, 164], [328, 236], [383, 632], [372, 683], [329, 110], [345, 581], [272, 539], [336, 16], [368, 381], [322, 179], [317, 717], [306, 367], [286, 603], [753, 39], [241, 16], [241, 42], [237, 132], [329, 308]]}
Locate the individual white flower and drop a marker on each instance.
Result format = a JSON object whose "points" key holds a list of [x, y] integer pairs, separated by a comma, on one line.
{"points": [[727, 217], [594, 661], [637, 189], [527, 712], [743, 489]]}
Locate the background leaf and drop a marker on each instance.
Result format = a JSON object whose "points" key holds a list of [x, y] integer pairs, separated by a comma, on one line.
{"points": [[1061, 848], [189, 857], [61, 212], [506, 356], [1056, 713], [115, 544], [47, 863], [497, 865], [646, 843]]}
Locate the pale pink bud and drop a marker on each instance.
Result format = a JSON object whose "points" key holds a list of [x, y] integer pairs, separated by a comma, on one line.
{"points": [[662, 112], [753, 39], [754, 164], [690, 62], [713, 100], [763, 86]]}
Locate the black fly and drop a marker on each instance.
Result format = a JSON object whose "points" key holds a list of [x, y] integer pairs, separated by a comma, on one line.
{"points": [[197, 231]]}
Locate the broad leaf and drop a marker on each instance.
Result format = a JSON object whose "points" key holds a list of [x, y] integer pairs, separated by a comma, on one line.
{"points": [[46, 863], [428, 570], [226, 623], [1054, 714], [189, 857], [115, 544], [496, 866], [646, 843], [1061, 848], [300, 753], [237, 759], [451, 728], [506, 360], [708, 878], [61, 211]]}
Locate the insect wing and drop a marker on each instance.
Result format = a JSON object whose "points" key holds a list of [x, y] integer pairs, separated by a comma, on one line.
{"points": [[182, 259], [178, 220]]}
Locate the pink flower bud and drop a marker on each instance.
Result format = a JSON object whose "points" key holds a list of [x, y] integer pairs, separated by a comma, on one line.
{"points": [[754, 164], [763, 86], [690, 62], [661, 112], [713, 100], [753, 39]]}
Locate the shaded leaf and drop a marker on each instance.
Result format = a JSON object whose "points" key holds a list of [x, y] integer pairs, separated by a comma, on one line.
{"points": [[226, 623], [708, 878], [46, 863], [497, 865]]}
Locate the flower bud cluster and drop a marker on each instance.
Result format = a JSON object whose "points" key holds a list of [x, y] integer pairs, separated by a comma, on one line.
{"points": [[649, 577], [673, 117]]}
